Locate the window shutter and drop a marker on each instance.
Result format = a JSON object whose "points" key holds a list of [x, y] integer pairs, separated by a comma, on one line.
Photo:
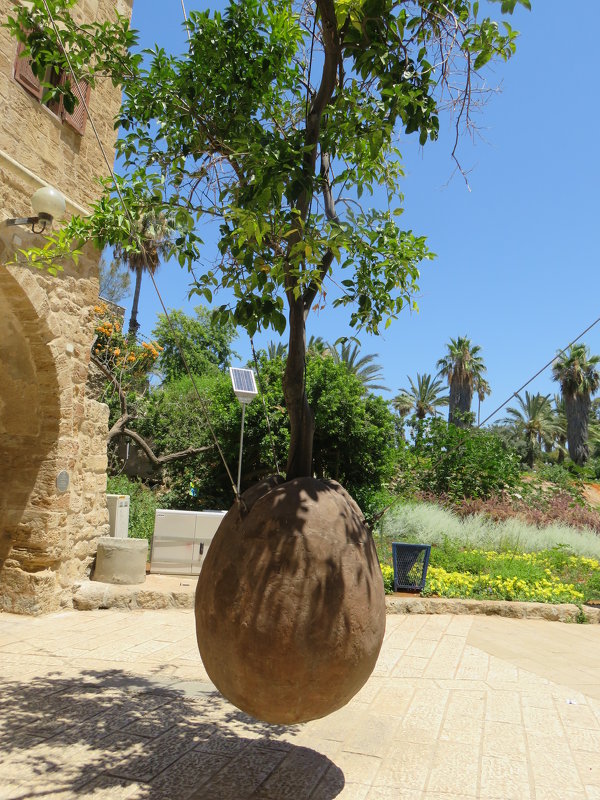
{"points": [[78, 118], [24, 74]]}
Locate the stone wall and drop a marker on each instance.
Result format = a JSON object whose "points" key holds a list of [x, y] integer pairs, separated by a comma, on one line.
{"points": [[47, 424]]}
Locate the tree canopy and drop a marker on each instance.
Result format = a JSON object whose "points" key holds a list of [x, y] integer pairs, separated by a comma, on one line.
{"points": [[354, 438], [195, 341], [276, 122]]}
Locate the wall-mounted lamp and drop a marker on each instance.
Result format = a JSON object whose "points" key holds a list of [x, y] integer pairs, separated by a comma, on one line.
{"points": [[48, 203]]}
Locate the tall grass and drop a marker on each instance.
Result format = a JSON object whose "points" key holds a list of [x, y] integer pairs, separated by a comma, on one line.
{"points": [[432, 524]]}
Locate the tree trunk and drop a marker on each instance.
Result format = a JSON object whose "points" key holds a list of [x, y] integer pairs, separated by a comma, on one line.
{"points": [[133, 321], [461, 395], [302, 424], [530, 454], [577, 409]]}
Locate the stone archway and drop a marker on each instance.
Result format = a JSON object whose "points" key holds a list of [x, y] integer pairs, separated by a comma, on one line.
{"points": [[29, 415]]}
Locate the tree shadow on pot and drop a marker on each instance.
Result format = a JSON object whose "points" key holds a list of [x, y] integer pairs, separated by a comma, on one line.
{"points": [[108, 734]]}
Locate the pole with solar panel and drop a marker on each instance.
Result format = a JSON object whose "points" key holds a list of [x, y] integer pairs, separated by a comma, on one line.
{"points": [[244, 387]]}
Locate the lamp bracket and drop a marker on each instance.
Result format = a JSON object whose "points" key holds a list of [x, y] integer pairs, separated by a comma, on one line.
{"points": [[41, 218]]}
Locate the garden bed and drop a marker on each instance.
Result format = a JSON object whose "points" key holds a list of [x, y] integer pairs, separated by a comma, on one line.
{"points": [[483, 563]]}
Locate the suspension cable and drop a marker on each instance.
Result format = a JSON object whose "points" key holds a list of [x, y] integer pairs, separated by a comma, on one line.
{"points": [[539, 372], [200, 399], [185, 19]]}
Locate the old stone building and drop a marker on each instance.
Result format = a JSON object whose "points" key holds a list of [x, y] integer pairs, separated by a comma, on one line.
{"points": [[52, 437]]}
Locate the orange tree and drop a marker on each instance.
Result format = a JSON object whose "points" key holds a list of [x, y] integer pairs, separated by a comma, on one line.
{"points": [[277, 121]]}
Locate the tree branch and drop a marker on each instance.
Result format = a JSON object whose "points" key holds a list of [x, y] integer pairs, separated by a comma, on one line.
{"points": [[314, 286], [120, 427], [158, 461], [113, 380], [117, 428]]}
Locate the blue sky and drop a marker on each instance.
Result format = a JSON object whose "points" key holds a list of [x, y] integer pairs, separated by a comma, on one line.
{"points": [[517, 264]]}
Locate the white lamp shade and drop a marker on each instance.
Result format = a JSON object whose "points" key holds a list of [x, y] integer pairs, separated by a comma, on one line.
{"points": [[49, 200]]}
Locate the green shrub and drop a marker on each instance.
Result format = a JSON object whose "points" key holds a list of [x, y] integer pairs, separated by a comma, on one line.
{"points": [[372, 502], [462, 462], [142, 505]]}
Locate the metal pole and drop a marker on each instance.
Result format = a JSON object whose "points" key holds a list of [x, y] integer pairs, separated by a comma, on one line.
{"points": [[241, 445]]}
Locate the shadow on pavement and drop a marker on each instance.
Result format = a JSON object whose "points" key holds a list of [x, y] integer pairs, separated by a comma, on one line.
{"points": [[107, 734]]}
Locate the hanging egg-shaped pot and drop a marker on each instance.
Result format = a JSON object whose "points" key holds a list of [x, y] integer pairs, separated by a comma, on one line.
{"points": [[290, 605]]}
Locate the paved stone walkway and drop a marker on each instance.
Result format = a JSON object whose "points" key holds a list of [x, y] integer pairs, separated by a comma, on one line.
{"points": [[115, 704]]}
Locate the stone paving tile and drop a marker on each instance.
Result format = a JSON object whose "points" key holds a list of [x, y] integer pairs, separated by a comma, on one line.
{"points": [[244, 775], [387, 661], [407, 767], [503, 739], [446, 658], [410, 667], [577, 715], [423, 719], [391, 700], [421, 648], [392, 793], [558, 793], [553, 767], [588, 765], [371, 689], [356, 767], [585, 740], [543, 721], [187, 775], [474, 665], [329, 787], [296, 775], [445, 796], [133, 717], [503, 706], [373, 737], [504, 777], [454, 769]]}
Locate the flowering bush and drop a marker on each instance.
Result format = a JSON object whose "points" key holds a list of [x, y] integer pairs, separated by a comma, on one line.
{"points": [[388, 578], [116, 351], [547, 576], [495, 587]]}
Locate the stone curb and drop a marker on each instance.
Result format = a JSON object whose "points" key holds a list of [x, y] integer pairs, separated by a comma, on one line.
{"points": [[559, 612], [92, 595]]}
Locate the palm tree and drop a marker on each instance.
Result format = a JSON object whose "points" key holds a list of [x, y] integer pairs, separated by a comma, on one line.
{"points": [[151, 240], [481, 388], [578, 376], [535, 421], [317, 346], [364, 368], [561, 427], [278, 350], [463, 367], [424, 397]]}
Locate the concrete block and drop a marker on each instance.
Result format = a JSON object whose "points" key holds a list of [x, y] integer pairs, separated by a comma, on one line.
{"points": [[121, 561]]}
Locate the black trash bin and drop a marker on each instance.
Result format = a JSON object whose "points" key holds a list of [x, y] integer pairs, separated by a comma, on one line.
{"points": [[410, 566]]}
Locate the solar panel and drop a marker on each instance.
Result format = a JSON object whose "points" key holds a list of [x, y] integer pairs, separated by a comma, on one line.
{"points": [[244, 384]]}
